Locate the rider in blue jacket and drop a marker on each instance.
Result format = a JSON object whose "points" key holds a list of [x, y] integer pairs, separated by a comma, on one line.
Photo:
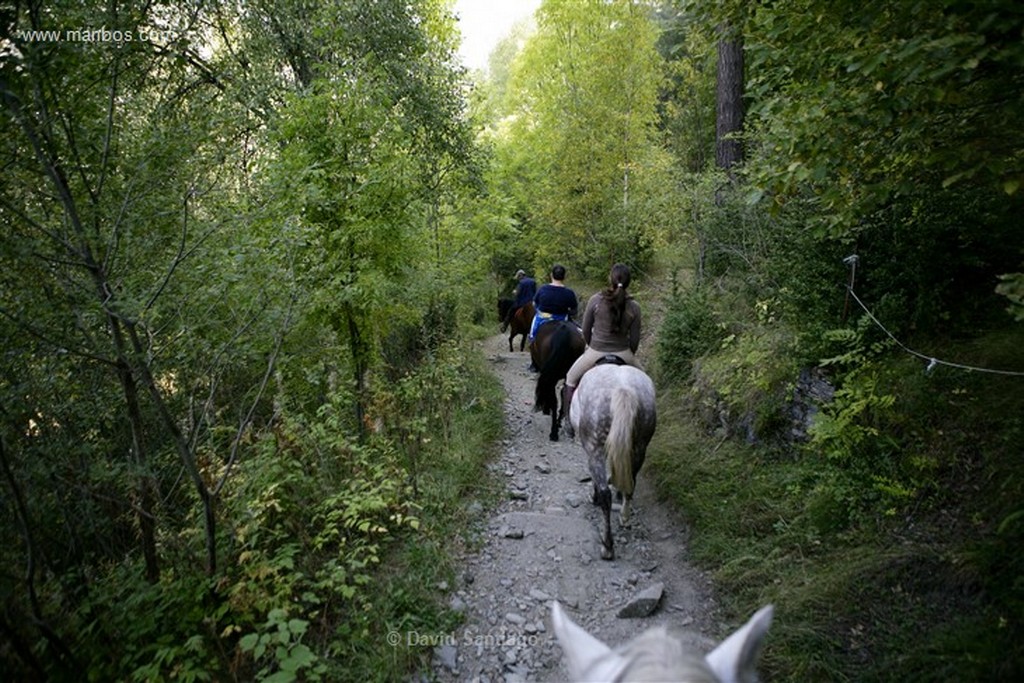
{"points": [[524, 292], [553, 301]]}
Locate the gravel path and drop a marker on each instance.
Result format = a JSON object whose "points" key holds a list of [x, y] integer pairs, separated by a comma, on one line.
{"points": [[541, 544]]}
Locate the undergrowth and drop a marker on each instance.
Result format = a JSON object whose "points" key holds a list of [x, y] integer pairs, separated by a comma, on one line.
{"points": [[331, 543], [410, 589], [889, 541]]}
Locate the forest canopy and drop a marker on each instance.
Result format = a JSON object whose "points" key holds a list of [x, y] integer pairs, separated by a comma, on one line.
{"points": [[247, 249]]}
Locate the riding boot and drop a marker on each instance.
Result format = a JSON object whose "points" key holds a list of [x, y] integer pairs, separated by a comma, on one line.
{"points": [[569, 391]]}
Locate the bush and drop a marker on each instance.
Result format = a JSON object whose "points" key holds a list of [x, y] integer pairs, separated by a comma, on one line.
{"points": [[689, 331]]}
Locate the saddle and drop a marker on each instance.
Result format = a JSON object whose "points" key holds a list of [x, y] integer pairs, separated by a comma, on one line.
{"points": [[610, 359]]}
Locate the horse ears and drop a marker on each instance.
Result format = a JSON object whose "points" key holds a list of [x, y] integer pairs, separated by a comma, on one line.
{"points": [[588, 658], [735, 658]]}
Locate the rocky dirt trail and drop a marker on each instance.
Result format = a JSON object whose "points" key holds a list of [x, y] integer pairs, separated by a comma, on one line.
{"points": [[541, 544]]}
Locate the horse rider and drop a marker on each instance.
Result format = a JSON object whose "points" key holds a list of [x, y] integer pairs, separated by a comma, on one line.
{"points": [[526, 288], [553, 301], [611, 326]]}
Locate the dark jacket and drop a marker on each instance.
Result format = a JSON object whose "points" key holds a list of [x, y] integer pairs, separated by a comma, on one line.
{"points": [[556, 300], [525, 291]]}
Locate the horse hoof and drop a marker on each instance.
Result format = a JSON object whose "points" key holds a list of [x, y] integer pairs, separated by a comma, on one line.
{"points": [[553, 437], [607, 553]]}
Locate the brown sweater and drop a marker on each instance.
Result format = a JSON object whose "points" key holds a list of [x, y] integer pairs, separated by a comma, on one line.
{"points": [[597, 325]]}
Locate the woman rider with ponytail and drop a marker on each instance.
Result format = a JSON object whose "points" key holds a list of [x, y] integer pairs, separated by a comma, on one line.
{"points": [[611, 326]]}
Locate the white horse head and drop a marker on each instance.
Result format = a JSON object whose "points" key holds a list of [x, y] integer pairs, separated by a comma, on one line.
{"points": [[656, 656]]}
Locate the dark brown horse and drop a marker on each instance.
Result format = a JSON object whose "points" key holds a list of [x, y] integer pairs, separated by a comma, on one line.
{"points": [[521, 322], [555, 348]]}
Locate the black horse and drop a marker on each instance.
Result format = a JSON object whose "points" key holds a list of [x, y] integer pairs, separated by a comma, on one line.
{"points": [[555, 348]]}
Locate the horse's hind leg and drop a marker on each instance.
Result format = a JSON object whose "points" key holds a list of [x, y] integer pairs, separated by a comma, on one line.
{"points": [[604, 499], [626, 513]]}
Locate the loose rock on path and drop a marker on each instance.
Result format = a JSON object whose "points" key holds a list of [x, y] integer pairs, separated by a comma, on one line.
{"points": [[541, 544]]}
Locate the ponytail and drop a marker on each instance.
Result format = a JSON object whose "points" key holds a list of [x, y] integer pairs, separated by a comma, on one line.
{"points": [[618, 281]]}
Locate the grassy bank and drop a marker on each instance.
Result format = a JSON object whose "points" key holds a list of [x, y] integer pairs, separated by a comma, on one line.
{"points": [[410, 589], [896, 558]]}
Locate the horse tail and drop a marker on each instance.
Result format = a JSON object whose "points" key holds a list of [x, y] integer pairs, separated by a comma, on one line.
{"points": [[619, 444]]}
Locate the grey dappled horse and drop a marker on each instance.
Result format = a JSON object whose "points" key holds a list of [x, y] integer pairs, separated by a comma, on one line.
{"points": [[614, 417], [657, 656]]}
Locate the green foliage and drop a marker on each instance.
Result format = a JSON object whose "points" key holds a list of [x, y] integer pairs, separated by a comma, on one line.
{"points": [[281, 643], [886, 532], [851, 419], [316, 525], [690, 330], [884, 562], [317, 508], [1012, 287], [869, 132], [175, 209], [576, 143], [687, 105], [932, 81]]}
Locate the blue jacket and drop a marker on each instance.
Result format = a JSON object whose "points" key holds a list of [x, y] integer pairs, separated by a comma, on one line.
{"points": [[556, 300], [525, 291]]}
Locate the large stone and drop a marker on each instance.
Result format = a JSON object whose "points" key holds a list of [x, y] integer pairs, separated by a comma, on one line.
{"points": [[644, 603], [447, 655]]}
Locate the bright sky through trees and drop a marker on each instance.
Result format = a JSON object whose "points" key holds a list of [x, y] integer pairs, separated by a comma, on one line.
{"points": [[485, 22]]}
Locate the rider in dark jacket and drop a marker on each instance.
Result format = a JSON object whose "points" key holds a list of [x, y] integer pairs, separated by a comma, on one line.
{"points": [[554, 301], [526, 288]]}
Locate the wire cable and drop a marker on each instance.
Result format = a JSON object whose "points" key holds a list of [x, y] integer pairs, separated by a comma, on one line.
{"points": [[932, 361]]}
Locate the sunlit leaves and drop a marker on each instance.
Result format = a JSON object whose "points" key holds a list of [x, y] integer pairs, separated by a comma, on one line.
{"points": [[581, 113]]}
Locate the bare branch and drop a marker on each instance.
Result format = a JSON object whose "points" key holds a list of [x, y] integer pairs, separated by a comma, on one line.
{"points": [[34, 332], [178, 258], [244, 425]]}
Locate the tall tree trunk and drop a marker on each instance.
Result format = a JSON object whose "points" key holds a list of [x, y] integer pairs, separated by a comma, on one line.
{"points": [[729, 100], [144, 485], [80, 249], [359, 366], [38, 619]]}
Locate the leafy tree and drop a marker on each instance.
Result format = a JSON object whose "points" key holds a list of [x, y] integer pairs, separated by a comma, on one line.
{"points": [[687, 103], [163, 202], [936, 84], [582, 112]]}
